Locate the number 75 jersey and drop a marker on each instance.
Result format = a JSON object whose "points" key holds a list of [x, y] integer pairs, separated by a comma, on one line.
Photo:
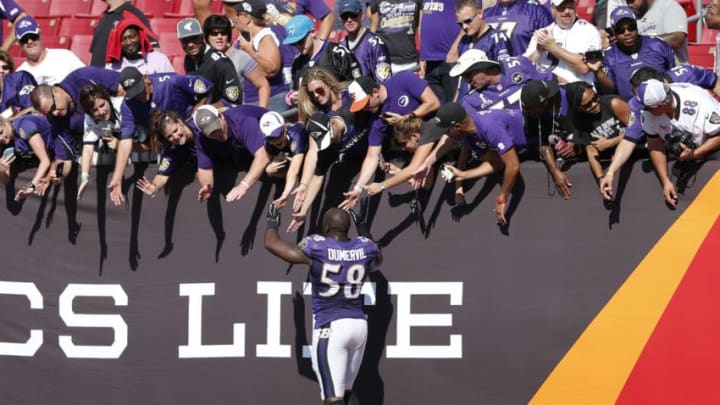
{"points": [[337, 273], [696, 112]]}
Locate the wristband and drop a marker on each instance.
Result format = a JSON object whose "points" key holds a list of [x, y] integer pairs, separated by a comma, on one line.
{"points": [[30, 185], [244, 183], [382, 186], [609, 174], [84, 177], [501, 200], [358, 188]]}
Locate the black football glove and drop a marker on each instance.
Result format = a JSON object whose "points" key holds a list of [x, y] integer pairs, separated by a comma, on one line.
{"points": [[273, 217]]}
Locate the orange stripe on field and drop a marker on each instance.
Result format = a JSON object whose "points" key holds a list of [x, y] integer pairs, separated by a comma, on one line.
{"points": [[681, 361], [596, 367]]}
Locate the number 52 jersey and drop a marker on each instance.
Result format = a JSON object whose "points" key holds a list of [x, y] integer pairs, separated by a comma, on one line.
{"points": [[337, 273]]}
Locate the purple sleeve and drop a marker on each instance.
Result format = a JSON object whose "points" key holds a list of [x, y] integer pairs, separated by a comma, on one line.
{"points": [[696, 75], [634, 131], [316, 8], [298, 139], [252, 137], [10, 10], [195, 86], [377, 133], [127, 123]]}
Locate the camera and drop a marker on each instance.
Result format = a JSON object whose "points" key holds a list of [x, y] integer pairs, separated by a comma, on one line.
{"points": [[592, 56], [674, 140], [610, 31]]}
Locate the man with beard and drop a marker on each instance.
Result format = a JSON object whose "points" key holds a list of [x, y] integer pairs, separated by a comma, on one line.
{"points": [[561, 46], [664, 19], [129, 45], [47, 66], [630, 52]]}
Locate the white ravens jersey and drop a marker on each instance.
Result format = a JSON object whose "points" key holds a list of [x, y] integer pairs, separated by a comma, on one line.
{"points": [[696, 113]]}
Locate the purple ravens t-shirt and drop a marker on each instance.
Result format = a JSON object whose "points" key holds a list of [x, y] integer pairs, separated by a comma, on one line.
{"points": [[26, 127], [372, 54], [244, 126], [506, 93], [494, 43], [64, 131], [619, 66], [16, 90], [518, 21], [171, 91], [403, 96], [337, 273], [438, 28], [79, 78], [498, 130], [684, 73], [298, 141]]}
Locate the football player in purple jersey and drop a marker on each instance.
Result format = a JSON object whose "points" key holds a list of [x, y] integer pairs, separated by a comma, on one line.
{"points": [[518, 19], [495, 84], [369, 49], [227, 133], [338, 267], [25, 137]]}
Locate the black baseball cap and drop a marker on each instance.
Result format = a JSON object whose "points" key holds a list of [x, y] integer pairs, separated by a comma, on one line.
{"points": [[448, 115], [536, 92], [132, 81]]}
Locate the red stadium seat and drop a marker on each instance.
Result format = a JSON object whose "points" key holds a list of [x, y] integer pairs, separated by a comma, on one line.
{"points": [[170, 44], [18, 60], [81, 47], [164, 24], [15, 51], [585, 9], [78, 26], [182, 8], [57, 41], [97, 8], [48, 25], [154, 8], [37, 8], [69, 7], [702, 54]]}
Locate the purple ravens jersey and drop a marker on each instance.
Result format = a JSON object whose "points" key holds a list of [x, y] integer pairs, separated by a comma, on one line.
{"points": [[297, 141], [175, 156], [506, 93], [79, 78], [684, 73], [372, 55], [336, 274], [64, 132], [243, 123], [498, 130], [171, 91], [16, 90], [438, 29], [619, 66], [27, 126], [518, 21], [404, 90], [494, 43]]}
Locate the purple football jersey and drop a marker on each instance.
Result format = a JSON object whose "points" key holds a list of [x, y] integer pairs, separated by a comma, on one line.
{"points": [[25, 127], [518, 21], [506, 93], [372, 55], [16, 90], [172, 92], [244, 125], [619, 66], [494, 43], [498, 130], [337, 273], [79, 78], [298, 141]]}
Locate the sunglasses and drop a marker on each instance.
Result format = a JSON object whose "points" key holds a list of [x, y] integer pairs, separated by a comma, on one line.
{"points": [[466, 21], [195, 40], [26, 38], [53, 106], [625, 27], [318, 91], [592, 101], [348, 16], [217, 33], [5, 67]]}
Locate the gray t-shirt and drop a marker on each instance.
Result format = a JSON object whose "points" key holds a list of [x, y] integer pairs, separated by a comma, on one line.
{"points": [[244, 63]]}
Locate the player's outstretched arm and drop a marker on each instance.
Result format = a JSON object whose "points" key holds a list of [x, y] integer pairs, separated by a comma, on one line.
{"points": [[285, 250]]}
